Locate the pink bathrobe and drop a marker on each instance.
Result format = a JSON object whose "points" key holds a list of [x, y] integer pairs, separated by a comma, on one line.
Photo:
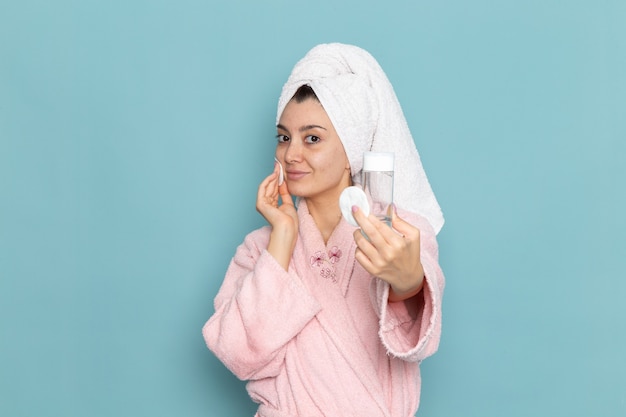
{"points": [[322, 339]]}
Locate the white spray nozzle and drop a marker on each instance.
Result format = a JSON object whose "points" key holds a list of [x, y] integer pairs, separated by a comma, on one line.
{"points": [[378, 161]]}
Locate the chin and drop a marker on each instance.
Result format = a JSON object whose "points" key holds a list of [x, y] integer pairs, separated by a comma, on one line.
{"points": [[298, 190]]}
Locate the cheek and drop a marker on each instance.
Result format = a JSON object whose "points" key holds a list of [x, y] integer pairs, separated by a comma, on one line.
{"points": [[280, 154], [335, 165]]}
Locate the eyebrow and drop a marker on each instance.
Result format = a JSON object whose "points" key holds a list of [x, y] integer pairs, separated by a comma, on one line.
{"points": [[302, 129]]}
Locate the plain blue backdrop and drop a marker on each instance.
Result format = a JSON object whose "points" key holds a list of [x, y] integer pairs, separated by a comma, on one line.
{"points": [[133, 135]]}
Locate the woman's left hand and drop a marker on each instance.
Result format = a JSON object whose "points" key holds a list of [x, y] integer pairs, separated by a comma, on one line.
{"points": [[393, 255]]}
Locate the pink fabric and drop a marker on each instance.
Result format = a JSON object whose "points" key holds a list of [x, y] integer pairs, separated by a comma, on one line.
{"points": [[321, 339]]}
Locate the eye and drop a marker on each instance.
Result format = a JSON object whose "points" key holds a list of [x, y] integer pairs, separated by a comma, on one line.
{"points": [[312, 139], [282, 138]]}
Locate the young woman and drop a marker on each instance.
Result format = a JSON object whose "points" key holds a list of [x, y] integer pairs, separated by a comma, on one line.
{"points": [[321, 320]]}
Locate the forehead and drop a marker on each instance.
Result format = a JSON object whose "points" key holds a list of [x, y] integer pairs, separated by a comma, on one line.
{"points": [[307, 112]]}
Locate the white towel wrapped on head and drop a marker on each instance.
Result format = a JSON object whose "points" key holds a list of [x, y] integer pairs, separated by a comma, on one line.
{"points": [[363, 107]]}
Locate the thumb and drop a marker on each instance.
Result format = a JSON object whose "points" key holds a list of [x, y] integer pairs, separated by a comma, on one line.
{"points": [[399, 224]]}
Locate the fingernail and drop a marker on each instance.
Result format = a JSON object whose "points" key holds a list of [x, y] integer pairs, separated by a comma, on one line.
{"points": [[355, 208]]}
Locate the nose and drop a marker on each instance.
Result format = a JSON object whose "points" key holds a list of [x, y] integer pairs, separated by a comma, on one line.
{"points": [[293, 153]]}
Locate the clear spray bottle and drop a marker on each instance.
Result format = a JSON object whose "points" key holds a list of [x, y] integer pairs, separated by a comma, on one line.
{"points": [[377, 177]]}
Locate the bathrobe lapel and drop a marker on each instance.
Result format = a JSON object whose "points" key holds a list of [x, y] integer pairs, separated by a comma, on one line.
{"points": [[327, 272]]}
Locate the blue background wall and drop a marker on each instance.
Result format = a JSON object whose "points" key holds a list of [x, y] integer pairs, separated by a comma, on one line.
{"points": [[133, 135]]}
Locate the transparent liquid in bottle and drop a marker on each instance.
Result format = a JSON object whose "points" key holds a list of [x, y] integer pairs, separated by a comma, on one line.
{"points": [[378, 173]]}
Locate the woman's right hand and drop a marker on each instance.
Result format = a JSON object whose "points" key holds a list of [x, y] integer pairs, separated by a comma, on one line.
{"points": [[275, 204]]}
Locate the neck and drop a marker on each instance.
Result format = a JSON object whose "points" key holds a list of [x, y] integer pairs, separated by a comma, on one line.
{"points": [[326, 214]]}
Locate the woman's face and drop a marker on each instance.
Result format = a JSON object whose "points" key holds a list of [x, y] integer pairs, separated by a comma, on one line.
{"points": [[312, 155]]}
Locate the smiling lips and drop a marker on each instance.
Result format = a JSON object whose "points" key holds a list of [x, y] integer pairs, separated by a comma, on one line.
{"points": [[294, 175]]}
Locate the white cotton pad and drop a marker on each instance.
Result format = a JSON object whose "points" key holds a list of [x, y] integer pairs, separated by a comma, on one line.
{"points": [[281, 173], [353, 196]]}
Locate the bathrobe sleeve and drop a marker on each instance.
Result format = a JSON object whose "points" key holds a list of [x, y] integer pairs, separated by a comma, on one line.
{"points": [[259, 309], [411, 329]]}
